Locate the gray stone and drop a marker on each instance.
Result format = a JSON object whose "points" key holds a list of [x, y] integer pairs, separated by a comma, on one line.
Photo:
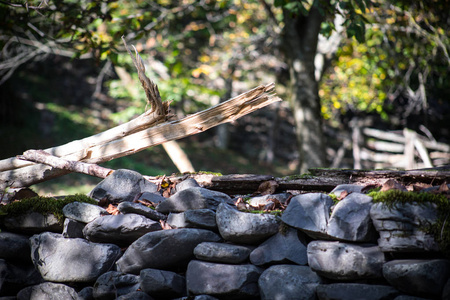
{"points": [[284, 247], [193, 218], [163, 249], [223, 281], [152, 197], [288, 282], [137, 208], [119, 229], [201, 218], [137, 295], [14, 246], [73, 229], [246, 228], [418, 277], [47, 291], [193, 198], [349, 188], [343, 261], [401, 228], [351, 291], [267, 199], [350, 219], [112, 284], [185, 184], [122, 185], [162, 284], [86, 293], [83, 212], [221, 252], [309, 213], [19, 275], [71, 260], [177, 220], [32, 223]]}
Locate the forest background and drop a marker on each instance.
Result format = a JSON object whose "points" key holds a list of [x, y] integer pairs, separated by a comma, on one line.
{"points": [[339, 65]]}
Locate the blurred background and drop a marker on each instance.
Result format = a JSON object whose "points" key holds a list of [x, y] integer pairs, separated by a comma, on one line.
{"points": [[365, 83]]}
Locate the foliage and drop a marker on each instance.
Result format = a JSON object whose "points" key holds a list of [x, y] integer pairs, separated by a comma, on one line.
{"points": [[43, 205], [405, 55], [353, 12], [198, 51]]}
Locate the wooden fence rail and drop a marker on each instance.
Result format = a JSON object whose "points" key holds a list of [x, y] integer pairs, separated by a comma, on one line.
{"points": [[405, 149]]}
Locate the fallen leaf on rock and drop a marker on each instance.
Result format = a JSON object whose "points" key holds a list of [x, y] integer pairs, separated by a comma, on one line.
{"points": [[266, 188], [288, 200], [164, 225], [24, 194], [241, 204], [392, 184], [146, 203], [274, 204], [112, 210], [342, 195], [369, 187], [443, 188]]}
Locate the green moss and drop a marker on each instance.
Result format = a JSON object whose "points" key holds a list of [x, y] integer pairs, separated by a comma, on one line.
{"points": [[392, 198], [301, 176], [194, 173], [209, 173], [275, 212], [43, 205], [334, 198], [440, 229]]}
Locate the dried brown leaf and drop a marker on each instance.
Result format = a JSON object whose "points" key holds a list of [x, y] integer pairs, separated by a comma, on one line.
{"points": [[369, 187], [24, 194], [112, 210], [164, 225], [443, 188], [343, 194], [392, 184], [266, 188]]}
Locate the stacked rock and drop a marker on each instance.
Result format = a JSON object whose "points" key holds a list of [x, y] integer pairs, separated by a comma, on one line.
{"points": [[317, 249]]}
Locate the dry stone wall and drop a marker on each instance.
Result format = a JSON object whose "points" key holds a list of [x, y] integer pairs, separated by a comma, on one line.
{"points": [[315, 250]]}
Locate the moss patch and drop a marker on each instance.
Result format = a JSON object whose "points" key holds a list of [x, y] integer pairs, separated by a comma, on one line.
{"points": [[334, 198], [275, 212], [43, 205], [301, 176], [440, 229]]}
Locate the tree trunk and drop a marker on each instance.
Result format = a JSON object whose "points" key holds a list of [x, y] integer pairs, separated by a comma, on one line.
{"points": [[300, 41]]}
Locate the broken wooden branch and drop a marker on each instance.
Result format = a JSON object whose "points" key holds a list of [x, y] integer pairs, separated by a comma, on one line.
{"points": [[40, 156], [150, 88], [91, 150]]}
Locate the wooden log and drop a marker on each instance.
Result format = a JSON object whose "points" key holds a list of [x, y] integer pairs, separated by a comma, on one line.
{"points": [[40, 156], [123, 145], [320, 180], [78, 150]]}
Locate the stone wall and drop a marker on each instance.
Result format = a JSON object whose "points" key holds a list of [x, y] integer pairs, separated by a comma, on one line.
{"points": [[315, 250]]}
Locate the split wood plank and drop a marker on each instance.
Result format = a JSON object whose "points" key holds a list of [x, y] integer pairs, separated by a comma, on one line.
{"points": [[124, 145]]}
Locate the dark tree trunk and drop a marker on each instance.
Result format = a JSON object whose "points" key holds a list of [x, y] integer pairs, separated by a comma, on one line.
{"points": [[300, 46]]}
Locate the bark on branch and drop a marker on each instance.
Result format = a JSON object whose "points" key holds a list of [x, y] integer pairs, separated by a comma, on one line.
{"points": [[320, 180], [40, 156], [128, 139]]}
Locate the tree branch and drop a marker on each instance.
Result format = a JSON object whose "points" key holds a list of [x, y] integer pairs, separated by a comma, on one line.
{"points": [[40, 156], [119, 141]]}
